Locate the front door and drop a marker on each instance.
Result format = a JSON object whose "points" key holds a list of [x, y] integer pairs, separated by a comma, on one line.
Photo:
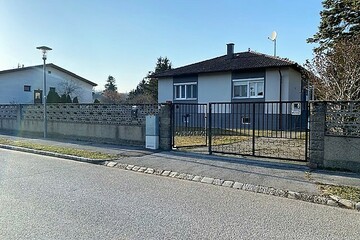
{"points": [[38, 96]]}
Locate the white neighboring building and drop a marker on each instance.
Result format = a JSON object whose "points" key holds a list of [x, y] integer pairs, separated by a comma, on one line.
{"points": [[24, 85]]}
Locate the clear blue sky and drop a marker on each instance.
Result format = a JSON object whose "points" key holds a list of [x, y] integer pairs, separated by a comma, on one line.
{"points": [[123, 38]]}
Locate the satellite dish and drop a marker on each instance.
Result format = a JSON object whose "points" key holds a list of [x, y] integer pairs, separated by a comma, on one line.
{"points": [[273, 36]]}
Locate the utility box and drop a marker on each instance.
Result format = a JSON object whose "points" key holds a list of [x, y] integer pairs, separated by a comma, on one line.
{"points": [[152, 132]]}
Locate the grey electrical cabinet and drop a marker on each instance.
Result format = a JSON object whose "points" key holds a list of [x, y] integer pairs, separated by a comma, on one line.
{"points": [[152, 132]]}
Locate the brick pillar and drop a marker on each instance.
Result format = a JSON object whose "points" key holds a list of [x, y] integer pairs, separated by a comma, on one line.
{"points": [[317, 134], [165, 127]]}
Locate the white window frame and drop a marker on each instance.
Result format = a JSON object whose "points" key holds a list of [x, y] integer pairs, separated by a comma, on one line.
{"points": [[185, 85], [247, 82]]}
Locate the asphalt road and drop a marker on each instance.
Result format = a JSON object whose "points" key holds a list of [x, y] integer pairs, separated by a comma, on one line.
{"points": [[49, 198]]}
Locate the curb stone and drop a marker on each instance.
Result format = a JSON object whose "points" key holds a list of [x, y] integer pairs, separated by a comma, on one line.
{"points": [[330, 200]]}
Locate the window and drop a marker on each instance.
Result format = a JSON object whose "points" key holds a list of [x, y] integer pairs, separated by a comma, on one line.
{"points": [[248, 88], [245, 120], [185, 91], [27, 88]]}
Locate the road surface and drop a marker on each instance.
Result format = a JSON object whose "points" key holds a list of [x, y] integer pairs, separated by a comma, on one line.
{"points": [[50, 198]]}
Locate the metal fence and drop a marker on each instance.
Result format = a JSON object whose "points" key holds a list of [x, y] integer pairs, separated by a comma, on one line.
{"points": [[189, 125], [262, 129]]}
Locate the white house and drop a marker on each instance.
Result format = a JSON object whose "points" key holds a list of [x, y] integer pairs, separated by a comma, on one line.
{"points": [[24, 85], [234, 77]]}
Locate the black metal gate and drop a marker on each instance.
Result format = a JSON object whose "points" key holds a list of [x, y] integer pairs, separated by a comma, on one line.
{"points": [[262, 129], [189, 125]]}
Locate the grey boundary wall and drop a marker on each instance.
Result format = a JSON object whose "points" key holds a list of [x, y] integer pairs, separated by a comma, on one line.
{"points": [[335, 135], [110, 123]]}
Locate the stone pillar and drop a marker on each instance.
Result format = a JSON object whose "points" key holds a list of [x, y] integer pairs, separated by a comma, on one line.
{"points": [[317, 133], [165, 127]]}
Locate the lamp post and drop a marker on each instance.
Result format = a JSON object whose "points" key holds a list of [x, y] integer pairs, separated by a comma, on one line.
{"points": [[44, 50]]}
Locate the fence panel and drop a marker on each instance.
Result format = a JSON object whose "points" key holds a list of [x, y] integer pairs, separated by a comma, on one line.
{"points": [[263, 129], [189, 125]]}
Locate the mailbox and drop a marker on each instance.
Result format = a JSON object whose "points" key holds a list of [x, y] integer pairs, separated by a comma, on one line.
{"points": [[134, 111], [296, 108]]}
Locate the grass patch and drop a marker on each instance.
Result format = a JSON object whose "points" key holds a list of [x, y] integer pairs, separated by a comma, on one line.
{"points": [[350, 193], [58, 149]]}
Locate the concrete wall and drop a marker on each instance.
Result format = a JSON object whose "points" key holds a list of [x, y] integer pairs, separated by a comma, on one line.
{"points": [[342, 152], [116, 124], [12, 85], [331, 150]]}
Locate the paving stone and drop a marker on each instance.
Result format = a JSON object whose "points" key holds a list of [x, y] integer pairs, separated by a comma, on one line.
{"points": [[173, 174], [306, 197], [357, 206], [136, 168], [166, 173], [129, 167], [335, 198], [142, 169], [238, 185], [158, 171], [111, 164], [293, 195], [347, 203], [207, 180], [218, 182], [197, 178], [182, 176], [280, 193], [250, 187], [272, 191], [189, 177], [121, 165], [331, 202], [149, 171], [320, 200], [227, 183], [263, 189]]}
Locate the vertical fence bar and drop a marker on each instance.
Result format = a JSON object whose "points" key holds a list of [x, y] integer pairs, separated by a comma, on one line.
{"points": [[253, 129], [210, 127], [306, 129], [173, 124]]}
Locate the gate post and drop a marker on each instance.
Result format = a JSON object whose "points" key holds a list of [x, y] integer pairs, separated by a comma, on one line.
{"points": [[165, 126], [317, 134]]}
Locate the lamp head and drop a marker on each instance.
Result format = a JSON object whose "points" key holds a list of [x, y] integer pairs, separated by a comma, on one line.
{"points": [[44, 50]]}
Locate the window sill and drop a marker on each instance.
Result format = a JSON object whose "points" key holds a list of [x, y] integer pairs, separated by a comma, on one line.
{"points": [[185, 99]]}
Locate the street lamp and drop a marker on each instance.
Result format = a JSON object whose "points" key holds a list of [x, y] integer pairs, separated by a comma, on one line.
{"points": [[44, 50]]}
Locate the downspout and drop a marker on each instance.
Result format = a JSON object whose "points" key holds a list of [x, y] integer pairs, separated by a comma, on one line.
{"points": [[280, 100]]}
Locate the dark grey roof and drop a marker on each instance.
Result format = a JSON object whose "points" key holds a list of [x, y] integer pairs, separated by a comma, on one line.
{"points": [[53, 66], [240, 61]]}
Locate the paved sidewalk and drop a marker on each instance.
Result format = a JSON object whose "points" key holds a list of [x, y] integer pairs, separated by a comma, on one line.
{"points": [[270, 173]]}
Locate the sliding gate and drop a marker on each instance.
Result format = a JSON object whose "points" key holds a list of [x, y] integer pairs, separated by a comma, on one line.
{"points": [[262, 129]]}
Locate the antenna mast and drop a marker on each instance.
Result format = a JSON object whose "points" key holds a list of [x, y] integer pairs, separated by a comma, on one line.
{"points": [[273, 39]]}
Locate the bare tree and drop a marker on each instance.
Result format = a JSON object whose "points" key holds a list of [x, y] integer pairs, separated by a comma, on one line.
{"points": [[69, 87], [335, 75]]}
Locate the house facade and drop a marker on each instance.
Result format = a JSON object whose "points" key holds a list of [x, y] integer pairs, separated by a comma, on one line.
{"points": [[25, 85], [234, 77]]}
